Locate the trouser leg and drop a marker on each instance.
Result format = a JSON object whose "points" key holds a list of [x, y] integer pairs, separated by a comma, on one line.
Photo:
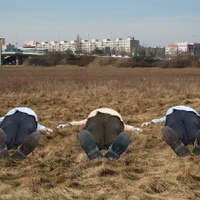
{"points": [[95, 125], [3, 148], [17, 127], [175, 121], [113, 127], [27, 126], [104, 128], [192, 124], [10, 126], [115, 138]]}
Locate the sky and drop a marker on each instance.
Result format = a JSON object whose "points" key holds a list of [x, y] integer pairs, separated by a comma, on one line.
{"points": [[152, 22]]}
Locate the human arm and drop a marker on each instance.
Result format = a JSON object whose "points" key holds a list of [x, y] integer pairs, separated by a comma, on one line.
{"points": [[73, 123], [43, 128], [154, 121], [132, 128], [146, 123]]}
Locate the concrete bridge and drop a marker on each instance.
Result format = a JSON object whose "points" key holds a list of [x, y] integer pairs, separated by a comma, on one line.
{"points": [[17, 57]]}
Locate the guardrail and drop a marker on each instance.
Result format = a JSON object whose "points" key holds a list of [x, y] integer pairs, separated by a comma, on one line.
{"points": [[23, 53]]}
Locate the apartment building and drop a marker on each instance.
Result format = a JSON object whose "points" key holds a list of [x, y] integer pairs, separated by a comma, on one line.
{"points": [[128, 45], [182, 48], [5, 46]]}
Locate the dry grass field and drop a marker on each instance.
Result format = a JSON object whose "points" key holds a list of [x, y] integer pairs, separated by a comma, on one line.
{"points": [[59, 169]]}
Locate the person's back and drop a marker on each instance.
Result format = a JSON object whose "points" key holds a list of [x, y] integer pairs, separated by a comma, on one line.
{"points": [[103, 129], [182, 124], [20, 125]]}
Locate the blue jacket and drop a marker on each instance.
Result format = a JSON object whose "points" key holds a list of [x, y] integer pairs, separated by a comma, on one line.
{"points": [[171, 110], [27, 111]]}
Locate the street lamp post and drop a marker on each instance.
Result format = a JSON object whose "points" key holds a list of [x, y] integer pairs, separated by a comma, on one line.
{"points": [[111, 45], [0, 54], [59, 42], [88, 44], [139, 43], [193, 46], [16, 42]]}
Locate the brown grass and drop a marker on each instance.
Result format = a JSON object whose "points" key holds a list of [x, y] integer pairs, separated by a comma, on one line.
{"points": [[59, 169]]}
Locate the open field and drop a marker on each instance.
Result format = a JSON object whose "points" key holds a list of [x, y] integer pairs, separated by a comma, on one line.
{"points": [[59, 169]]}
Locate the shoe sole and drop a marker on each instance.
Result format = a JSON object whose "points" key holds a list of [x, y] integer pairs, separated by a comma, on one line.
{"points": [[118, 146], [3, 149], [172, 139], [88, 144], [28, 145], [2, 139], [196, 149], [4, 153]]}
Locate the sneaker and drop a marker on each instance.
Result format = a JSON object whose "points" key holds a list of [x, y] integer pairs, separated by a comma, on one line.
{"points": [[88, 144], [172, 139], [196, 149], [118, 146], [3, 148], [27, 146]]}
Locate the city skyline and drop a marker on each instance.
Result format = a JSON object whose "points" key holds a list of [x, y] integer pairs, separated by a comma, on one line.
{"points": [[152, 22]]}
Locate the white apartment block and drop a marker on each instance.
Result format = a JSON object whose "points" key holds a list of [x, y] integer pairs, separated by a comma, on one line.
{"points": [[128, 45]]}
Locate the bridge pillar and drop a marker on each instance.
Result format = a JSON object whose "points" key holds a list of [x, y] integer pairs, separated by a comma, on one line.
{"points": [[1, 60], [18, 60]]}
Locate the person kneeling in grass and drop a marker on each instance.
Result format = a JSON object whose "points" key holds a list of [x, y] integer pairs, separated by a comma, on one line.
{"points": [[103, 129], [182, 127]]}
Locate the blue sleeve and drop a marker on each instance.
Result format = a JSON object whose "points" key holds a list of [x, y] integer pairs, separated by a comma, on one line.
{"points": [[40, 127], [159, 120], [1, 119]]}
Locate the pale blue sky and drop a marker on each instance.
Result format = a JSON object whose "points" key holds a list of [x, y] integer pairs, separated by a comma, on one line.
{"points": [[153, 22]]}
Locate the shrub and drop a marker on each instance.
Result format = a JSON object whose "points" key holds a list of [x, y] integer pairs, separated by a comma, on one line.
{"points": [[108, 61], [175, 63], [79, 60], [70, 57], [45, 60], [132, 64], [84, 60]]}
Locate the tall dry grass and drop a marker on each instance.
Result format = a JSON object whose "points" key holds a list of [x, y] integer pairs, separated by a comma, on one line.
{"points": [[59, 169]]}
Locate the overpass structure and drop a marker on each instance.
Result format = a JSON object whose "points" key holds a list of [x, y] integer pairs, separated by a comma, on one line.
{"points": [[19, 56]]}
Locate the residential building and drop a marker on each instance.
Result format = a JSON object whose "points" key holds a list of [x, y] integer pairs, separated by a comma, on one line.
{"points": [[119, 45], [5, 46], [182, 48]]}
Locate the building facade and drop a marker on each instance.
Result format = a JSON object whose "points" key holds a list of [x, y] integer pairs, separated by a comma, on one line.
{"points": [[182, 48], [5, 46], [118, 45]]}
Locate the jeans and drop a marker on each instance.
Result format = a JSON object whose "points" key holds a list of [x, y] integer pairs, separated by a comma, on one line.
{"points": [[17, 127], [185, 124], [104, 128]]}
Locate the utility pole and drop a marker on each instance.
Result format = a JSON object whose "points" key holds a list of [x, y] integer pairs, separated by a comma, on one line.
{"points": [[193, 46], [111, 45], [138, 43], [59, 42], [88, 44], [16, 42], [0, 52]]}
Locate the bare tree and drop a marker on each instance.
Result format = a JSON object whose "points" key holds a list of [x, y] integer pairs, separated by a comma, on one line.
{"points": [[78, 44]]}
